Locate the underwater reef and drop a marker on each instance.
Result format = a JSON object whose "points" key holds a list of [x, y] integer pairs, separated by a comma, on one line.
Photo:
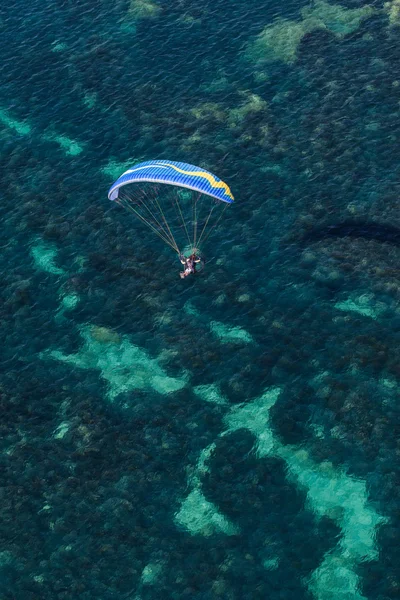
{"points": [[234, 436]]}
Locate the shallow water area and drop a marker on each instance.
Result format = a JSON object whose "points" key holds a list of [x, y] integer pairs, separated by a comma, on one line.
{"points": [[235, 434]]}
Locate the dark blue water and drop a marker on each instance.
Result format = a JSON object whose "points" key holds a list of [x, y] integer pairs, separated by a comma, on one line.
{"points": [[233, 435]]}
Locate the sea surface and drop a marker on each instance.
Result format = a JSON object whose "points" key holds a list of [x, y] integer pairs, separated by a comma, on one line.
{"points": [[234, 435]]}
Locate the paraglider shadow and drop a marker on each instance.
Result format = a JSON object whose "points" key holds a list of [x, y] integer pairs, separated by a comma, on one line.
{"points": [[369, 230]]}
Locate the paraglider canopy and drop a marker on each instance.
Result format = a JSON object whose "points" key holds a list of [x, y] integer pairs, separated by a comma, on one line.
{"points": [[178, 201]]}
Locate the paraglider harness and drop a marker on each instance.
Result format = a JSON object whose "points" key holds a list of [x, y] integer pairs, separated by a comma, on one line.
{"points": [[189, 263]]}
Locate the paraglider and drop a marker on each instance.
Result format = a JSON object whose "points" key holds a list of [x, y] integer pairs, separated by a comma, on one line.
{"points": [[181, 203]]}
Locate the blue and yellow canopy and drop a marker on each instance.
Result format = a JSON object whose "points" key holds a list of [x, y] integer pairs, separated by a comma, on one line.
{"points": [[174, 173]]}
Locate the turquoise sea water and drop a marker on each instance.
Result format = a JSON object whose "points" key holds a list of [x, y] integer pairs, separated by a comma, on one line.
{"points": [[234, 435]]}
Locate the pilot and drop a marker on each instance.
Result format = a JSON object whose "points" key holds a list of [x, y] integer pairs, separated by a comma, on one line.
{"points": [[189, 263]]}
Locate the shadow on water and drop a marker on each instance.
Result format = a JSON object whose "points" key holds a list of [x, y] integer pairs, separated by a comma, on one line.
{"points": [[379, 232]]}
